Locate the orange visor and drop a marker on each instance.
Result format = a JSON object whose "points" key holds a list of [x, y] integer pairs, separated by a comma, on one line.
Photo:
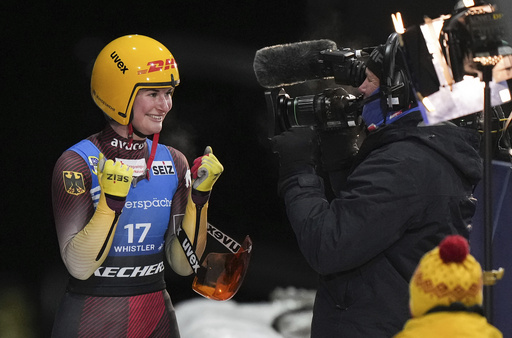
{"points": [[221, 274]]}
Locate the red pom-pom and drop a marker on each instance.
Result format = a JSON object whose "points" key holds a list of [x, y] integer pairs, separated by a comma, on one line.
{"points": [[453, 248]]}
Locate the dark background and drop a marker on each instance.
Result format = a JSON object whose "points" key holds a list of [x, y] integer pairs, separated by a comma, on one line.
{"points": [[47, 53]]}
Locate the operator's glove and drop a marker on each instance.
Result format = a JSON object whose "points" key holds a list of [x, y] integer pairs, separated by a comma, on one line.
{"points": [[297, 149], [115, 181], [338, 148], [205, 171]]}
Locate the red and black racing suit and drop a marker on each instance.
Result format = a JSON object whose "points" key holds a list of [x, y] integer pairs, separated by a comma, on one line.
{"points": [[125, 308]]}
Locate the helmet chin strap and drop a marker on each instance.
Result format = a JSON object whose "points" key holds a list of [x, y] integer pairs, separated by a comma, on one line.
{"points": [[131, 131], [138, 133], [130, 134]]}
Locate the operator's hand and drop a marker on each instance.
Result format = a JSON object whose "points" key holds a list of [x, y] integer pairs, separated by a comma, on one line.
{"points": [[338, 148], [206, 170], [115, 181], [297, 148]]}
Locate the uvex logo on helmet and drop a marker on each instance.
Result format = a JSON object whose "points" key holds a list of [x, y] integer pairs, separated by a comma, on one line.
{"points": [[118, 62], [158, 65]]}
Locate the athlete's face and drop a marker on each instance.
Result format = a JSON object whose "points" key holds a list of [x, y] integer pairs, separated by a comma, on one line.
{"points": [[150, 108], [370, 84]]}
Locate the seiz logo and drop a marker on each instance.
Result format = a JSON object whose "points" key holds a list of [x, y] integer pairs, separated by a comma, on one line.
{"points": [[119, 178], [117, 60], [162, 168], [158, 65]]}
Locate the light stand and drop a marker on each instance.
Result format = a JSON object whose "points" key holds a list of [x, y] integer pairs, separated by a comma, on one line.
{"points": [[490, 276], [488, 292]]}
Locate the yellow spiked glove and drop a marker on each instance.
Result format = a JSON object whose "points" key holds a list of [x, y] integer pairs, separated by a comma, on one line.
{"points": [[206, 170], [115, 180]]}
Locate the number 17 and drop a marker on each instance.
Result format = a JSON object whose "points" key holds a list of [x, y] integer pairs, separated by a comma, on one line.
{"points": [[129, 227]]}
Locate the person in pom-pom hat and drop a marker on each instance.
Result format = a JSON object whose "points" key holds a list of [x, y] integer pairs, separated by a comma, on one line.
{"points": [[446, 295]]}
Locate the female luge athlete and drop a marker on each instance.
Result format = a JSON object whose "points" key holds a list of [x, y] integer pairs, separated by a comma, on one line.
{"points": [[119, 199]]}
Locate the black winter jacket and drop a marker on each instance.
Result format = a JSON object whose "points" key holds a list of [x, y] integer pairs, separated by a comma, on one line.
{"points": [[410, 187]]}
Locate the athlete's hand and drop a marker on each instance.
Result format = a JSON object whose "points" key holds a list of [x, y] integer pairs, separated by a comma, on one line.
{"points": [[115, 180], [206, 170]]}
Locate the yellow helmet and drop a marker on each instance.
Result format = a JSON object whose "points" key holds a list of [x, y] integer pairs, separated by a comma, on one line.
{"points": [[126, 65]]}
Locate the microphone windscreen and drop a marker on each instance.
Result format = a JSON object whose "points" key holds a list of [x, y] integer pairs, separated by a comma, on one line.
{"points": [[291, 63]]}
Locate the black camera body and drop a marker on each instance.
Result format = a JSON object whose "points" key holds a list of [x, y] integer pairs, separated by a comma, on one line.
{"points": [[343, 65]]}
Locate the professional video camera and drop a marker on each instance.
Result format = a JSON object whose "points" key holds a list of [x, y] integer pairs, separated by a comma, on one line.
{"points": [[331, 108]]}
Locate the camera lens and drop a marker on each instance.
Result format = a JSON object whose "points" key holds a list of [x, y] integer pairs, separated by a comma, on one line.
{"points": [[303, 111]]}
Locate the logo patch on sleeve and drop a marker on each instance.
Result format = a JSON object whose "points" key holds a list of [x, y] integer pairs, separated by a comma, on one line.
{"points": [[73, 182]]}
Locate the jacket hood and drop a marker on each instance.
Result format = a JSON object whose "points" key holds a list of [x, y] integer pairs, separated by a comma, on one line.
{"points": [[457, 144]]}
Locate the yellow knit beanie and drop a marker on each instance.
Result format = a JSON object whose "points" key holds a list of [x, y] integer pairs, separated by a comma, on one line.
{"points": [[445, 275]]}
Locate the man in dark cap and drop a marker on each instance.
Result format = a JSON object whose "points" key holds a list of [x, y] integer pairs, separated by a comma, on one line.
{"points": [[409, 186], [376, 112]]}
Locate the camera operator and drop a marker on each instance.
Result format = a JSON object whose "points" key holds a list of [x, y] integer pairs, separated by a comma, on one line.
{"points": [[408, 187]]}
